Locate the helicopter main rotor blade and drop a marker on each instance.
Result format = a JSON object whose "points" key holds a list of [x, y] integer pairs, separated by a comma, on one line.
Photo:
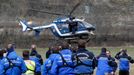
{"points": [[42, 11], [75, 7]]}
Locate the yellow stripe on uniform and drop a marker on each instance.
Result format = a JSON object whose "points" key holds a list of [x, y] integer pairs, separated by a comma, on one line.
{"points": [[30, 66]]}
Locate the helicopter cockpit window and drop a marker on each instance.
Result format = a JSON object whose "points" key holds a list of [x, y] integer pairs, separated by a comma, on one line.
{"points": [[87, 24], [63, 28], [81, 26]]}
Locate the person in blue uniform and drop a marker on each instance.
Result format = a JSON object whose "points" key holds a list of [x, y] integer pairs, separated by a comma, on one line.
{"points": [[16, 63], [74, 49], [112, 63], [35, 53], [31, 66], [49, 52], [4, 64], [2, 69], [49, 61], [124, 61], [37, 62], [63, 64], [103, 66], [85, 61]]}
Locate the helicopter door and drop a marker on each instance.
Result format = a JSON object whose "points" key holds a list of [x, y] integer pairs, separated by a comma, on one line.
{"points": [[63, 28]]}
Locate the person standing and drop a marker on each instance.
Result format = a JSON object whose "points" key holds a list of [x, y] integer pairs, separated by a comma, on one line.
{"points": [[49, 61], [37, 62], [124, 61], [72, 25], [103, 66], [112, 63], [63, 64], [4, 64], [84, 60], [31, 66], [49, 52], [34, 52], [2, 69], [16, 63]]}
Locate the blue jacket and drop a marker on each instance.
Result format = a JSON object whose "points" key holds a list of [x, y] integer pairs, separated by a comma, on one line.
{"points": [[124, 61], [17, 65], [2, 71], [48, 64], [37, 62], [63, 63], [103, 66], [5, 64], [84, 62], [35, 53]]}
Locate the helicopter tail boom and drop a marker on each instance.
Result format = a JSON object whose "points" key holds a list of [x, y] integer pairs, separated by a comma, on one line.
{"points": [[26, 26]]}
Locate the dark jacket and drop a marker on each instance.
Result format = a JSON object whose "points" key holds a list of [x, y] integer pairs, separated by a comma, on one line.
{"points": [[84, 61], [124, 61], [112, 63]]}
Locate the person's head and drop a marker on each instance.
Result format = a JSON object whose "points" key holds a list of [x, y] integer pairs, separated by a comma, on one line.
{"points": [[124, 52], [108, 53], [60, 47], [2, 52], [33, 47], [26, 54], [74, 49], [81, 44], [50, 48], [9, 46], [56, 49], [103, 50], [14, 45], [65, 45]]}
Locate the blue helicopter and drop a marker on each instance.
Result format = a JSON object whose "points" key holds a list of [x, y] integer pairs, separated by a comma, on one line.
{"points": [[60, 27]]}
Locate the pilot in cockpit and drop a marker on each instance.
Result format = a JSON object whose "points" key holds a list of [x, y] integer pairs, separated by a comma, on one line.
{"points": [[72, 25]]}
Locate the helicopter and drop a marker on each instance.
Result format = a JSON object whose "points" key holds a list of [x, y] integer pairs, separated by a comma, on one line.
{"points": [[60, 26]]}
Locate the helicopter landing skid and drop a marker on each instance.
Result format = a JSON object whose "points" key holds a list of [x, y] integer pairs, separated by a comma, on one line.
{"points": [[73, 41]]}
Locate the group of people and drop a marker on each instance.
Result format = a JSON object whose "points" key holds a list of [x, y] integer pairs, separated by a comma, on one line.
{"points": [[66, 60], [63, 59], [13, 64]]}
